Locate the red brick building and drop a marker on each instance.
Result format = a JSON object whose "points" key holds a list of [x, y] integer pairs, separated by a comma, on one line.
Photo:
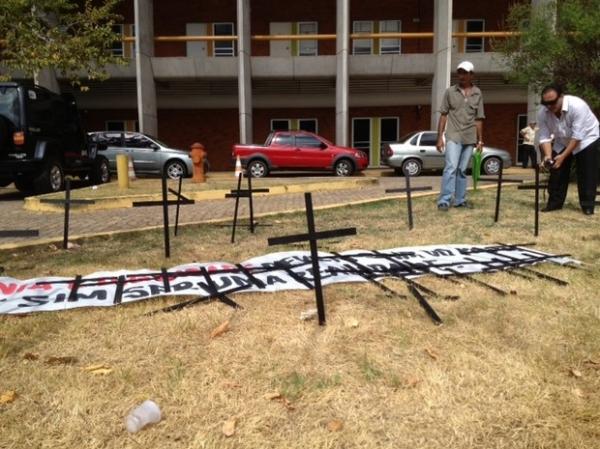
{"points": [[356, 91]]}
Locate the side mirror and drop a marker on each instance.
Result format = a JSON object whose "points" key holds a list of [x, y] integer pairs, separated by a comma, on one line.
{"points": [[154, 147], [323, 145]]}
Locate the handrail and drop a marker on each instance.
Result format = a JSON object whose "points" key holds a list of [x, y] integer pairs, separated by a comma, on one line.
{"points": [[323, 37]]}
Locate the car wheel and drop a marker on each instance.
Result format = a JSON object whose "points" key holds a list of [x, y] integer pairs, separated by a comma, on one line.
{"points": [[412, 167], [52, 178], [100, 173], [258, 169], [491, 166], [175, 170], [344, 167]]}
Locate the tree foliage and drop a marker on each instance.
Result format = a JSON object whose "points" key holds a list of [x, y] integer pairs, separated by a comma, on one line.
{"points": [[559, 42], [73, 37]]}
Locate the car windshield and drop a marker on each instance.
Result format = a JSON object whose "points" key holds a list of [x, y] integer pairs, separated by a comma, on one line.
{"points": [[162, 144], [9, 104]]}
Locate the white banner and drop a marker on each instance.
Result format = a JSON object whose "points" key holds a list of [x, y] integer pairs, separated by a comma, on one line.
{"points": [[272, 272]]}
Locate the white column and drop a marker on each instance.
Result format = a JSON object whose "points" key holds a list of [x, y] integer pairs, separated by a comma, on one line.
{"points": [[47, 78], [144, 51], [442, 48], [244, 71], [342, 78]]}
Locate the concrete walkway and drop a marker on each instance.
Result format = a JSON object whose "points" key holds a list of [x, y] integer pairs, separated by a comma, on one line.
{"points": [[50, 224]]}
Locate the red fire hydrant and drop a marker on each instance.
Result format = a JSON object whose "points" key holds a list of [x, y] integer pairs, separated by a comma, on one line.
{"points": [[198, 155]]}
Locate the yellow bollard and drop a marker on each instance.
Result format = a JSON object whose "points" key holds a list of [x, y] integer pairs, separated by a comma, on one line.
{"points": [[123, 171]]}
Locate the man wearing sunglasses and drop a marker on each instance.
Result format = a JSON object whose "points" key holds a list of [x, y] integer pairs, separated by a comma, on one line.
{"points": [[576, 136], [462, 119]]}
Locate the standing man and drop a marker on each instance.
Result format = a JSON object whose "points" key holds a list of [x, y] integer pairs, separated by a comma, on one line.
{"points": [[576, 136], [462, 112], [528, 134]]}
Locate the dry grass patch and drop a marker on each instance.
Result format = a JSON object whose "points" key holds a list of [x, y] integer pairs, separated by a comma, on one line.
{"points": [[502, 372]]}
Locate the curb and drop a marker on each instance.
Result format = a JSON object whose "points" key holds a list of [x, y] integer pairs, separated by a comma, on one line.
{"points": [[33, 203]]}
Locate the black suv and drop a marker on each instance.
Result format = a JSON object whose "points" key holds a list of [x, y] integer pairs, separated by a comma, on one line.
{"points": [[41, 140]]}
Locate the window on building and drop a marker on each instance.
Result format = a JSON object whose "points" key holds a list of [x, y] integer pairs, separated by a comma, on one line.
{"points": [[362, 46], [389, 130], [302, 124], [475, 44], [390, 46], [308, 124], [223, 48], [120, 48], [115, 125], [280, 125], [308, 47], [117, 47], [361, 134], [121, 125]]}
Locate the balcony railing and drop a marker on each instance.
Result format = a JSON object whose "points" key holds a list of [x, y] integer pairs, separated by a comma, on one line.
{"points": [[324, 37]]}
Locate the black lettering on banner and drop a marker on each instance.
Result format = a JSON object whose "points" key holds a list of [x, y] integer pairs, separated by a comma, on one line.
{"points": [[440, 252], [240, 281], [272, 280], [156, 290], [225, 282], [136, 292], [183, 286], [99, 295], [34, 301]]}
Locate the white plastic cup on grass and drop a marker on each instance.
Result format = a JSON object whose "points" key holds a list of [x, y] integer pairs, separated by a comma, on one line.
{"points": [[147, 413]]}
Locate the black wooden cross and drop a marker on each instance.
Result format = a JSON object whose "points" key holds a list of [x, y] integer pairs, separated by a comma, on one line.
{"points": [[408, 191], [180, 200], [537, 186], [243, 193], [67, 203], [312, 236], [165, 202], [499, 180]]}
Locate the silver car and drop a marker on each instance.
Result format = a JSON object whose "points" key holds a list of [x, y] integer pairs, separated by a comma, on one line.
{"points": [[417, 152], [150, 156]]}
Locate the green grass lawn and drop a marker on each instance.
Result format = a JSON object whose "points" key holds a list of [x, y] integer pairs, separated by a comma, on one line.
{"points": [[520, 371]]}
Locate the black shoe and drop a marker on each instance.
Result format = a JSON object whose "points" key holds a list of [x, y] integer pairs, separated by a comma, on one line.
{"points": [[588, 211], [443, 207], [550, 208]]}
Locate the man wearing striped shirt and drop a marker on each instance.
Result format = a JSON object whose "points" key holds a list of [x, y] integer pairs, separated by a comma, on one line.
{"points": [[576, 136]]}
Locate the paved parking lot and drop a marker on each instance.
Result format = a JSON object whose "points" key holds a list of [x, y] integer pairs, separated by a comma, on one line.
{"points": [[50, 225]]}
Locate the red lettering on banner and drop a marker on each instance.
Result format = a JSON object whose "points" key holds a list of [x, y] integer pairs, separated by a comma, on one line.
{"points": [[7, 289], [11, 289]]}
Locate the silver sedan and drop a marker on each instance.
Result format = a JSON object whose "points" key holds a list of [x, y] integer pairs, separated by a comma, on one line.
{"points": [[150, 156], [417, 152]]}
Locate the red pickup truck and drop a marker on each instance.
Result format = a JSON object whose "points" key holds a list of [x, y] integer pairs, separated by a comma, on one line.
{"points": [[299, 150]]}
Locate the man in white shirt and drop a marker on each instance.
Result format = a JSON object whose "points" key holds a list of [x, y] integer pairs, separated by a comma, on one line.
{"points": [[529, 133], [576, 136]]}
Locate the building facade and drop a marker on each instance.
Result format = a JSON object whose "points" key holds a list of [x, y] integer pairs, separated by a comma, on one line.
{"points": [[355, 89]]}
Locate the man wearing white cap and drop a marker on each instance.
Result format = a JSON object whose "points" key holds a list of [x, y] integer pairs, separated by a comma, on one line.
{"points": [[462, 120]]}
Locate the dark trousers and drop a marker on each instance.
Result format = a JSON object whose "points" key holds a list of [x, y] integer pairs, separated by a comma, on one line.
{"points": [[529, 155], [587, 178]]}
